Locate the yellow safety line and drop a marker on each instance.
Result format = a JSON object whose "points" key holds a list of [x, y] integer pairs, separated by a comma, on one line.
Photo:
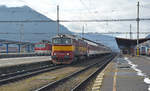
{"points": [[98, 82], [115, 80]]}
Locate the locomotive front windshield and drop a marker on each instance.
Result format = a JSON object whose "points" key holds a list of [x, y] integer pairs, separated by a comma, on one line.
{"points": [[61, 41], [40, 45]]}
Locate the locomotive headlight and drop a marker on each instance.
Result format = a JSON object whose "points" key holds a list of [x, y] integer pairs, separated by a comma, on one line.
{"points": [[67, 53], [54, 53]]}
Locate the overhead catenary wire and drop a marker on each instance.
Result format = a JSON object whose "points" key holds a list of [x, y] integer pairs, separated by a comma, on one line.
{"points": [[48, 33], [92, 20]]}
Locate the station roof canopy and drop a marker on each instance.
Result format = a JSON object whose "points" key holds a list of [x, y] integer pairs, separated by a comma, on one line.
{"points": [[129, 42], [13, 42]]}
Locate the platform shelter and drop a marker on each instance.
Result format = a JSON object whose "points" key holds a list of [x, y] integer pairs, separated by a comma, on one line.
{"points": [[127, 46]]}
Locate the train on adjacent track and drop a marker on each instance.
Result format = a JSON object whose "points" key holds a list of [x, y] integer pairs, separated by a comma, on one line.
{"points": [[144, 50], [69, 48], [43, 48]]}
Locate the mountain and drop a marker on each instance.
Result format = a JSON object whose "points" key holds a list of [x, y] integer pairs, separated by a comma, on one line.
{"points": [[31, 32], [106, 40], [148, 36]]}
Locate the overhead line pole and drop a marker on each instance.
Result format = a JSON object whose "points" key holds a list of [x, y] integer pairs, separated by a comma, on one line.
{"points": [[83, 31], [130, 39], [130, 32], [138, 29], [58, 19]]}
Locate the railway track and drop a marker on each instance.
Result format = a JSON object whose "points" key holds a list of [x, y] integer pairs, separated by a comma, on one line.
{"points": [[83, 83], [19, 72], [73, 81], [12, 77]]}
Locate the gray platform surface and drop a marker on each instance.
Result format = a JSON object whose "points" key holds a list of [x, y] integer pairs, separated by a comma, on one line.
{"points": [[127, 78], [22, 60], [143, 63]]}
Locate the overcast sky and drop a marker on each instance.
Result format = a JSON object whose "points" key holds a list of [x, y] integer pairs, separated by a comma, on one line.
{"points": [[91, 9]]}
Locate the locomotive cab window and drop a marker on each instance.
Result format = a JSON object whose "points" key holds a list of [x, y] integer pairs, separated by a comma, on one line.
{"points": [[62, 41], [40, 45]]}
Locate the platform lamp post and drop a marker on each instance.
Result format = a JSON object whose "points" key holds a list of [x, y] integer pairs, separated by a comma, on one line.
{"points": [[138, 29]]}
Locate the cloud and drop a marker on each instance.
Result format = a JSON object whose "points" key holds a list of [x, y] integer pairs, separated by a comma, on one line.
{"points": [[11, 3]]}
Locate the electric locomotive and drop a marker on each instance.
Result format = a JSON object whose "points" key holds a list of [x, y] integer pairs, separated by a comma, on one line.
{"points": [[67, 48], [43, 48]]}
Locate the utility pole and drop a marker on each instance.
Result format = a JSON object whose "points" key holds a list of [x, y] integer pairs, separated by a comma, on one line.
{"points": [[58, 19], [138, 28]]}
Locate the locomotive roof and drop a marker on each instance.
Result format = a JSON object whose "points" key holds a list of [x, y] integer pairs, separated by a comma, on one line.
{"points": [[67, 36], [78, 38]]}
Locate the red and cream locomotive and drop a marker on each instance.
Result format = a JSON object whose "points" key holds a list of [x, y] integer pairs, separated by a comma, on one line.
{"points": [[43, 48]]}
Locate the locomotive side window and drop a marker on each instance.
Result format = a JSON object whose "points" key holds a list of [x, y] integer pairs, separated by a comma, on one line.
{"points": [[61, 41]]}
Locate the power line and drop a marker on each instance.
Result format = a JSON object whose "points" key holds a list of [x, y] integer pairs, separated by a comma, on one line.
{"points": [[48, 33]]}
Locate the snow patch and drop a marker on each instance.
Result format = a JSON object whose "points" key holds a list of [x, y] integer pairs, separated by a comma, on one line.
{"points": [[147, 80], [139, 72], [133, 66]]}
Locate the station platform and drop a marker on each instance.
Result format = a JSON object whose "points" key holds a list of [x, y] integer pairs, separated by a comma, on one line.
{"points": [[5, 62], [13, 55], [126, 73]]}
